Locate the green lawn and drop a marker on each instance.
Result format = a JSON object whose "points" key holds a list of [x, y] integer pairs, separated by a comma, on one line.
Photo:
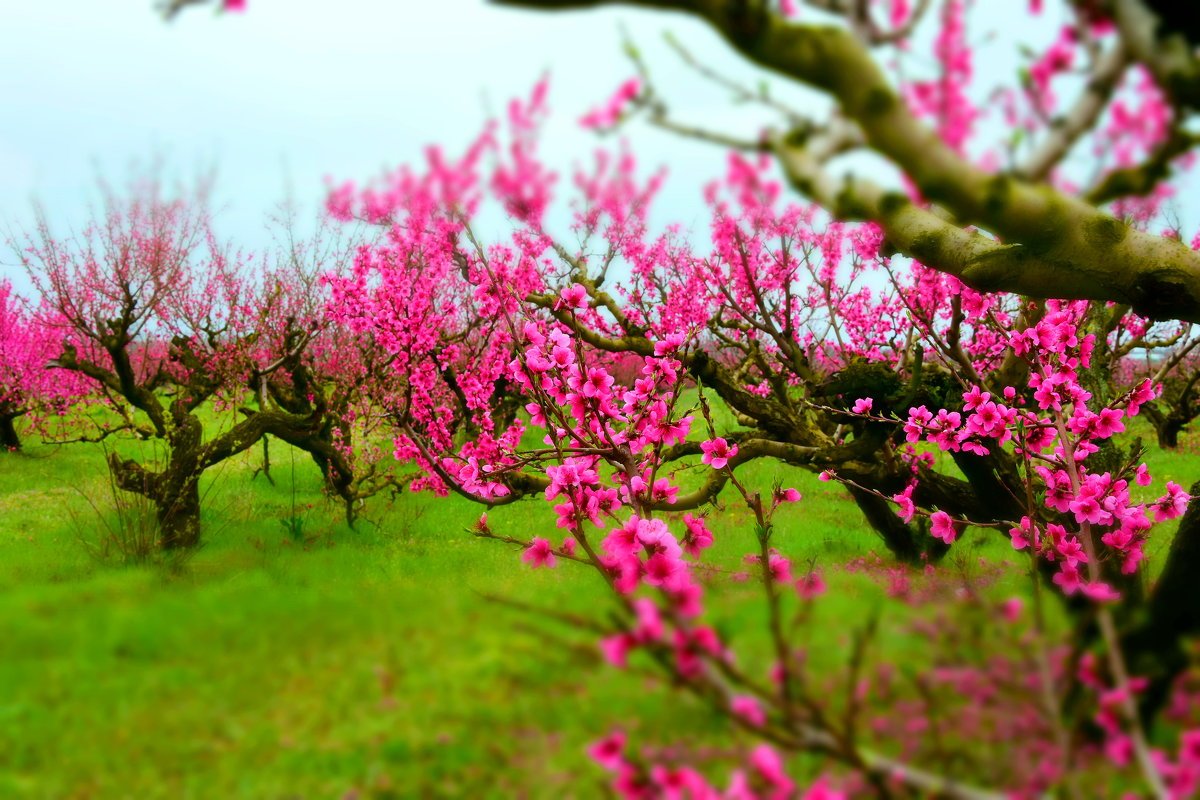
{"points": [[333, 661]]}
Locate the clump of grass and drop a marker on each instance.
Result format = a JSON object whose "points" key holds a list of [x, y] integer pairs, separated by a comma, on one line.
{"points": [[123, 530], [293, 524]]}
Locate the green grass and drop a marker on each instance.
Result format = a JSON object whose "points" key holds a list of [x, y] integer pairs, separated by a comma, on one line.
{"points": [[266, 668], [292, 657]]}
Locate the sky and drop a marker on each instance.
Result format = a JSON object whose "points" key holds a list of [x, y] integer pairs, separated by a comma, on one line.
{"points": [[293, 92]]}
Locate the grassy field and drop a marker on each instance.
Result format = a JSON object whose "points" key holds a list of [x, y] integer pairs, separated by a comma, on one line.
{"points": [[292, 657]]}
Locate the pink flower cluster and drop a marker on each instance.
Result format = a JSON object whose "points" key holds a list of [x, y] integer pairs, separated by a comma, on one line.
{"points": [[1057, 431], [763, 777], [609, 114]]}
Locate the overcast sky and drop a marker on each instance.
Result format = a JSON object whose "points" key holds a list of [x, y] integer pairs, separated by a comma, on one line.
{"points": [[297, 90]]}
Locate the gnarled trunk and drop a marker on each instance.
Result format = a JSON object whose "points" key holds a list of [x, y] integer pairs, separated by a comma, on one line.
{"points": [[178, 515], [902, 541], [8, 433], [1155, 647], [1168, 433], [1167, 425], [175, 493], [175, 490]]}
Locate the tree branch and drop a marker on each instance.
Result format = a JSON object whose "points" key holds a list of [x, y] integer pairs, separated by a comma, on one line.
{"points": [[1055, 245]]}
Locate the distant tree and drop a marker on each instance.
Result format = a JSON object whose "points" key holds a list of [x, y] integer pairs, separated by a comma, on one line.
{"points": [[162, 320], [28, 340]]}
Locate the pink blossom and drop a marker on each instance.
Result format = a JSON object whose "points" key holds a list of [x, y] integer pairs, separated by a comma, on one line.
{"points": [[918, 418], [616, 649], [665, 570], [1071, 550], [1025, 535], [698, 536], [788, 496], [748, 709], [1143, 475], [1172, 504], [717, 452], [943, 527], [975, 397], [533, 334], [669, 344], [780, 568], [663, 491], [609, 752], [1010, 609], [539, 553], [574, 297], [904, 500], [1100, 592], [820, 790], [649, 621], [810, 586], [609, 114], [1069, 579], [1144, 393], [562, 356], [1109, 423], [769, 766]]}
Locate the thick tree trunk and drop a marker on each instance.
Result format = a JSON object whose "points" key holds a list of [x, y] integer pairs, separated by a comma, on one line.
{"points": [[336, 471], [995, 484], [178, 515], [1168, 433], [8, 433], [1167, 425], [175, 493], [898, 536], [1155, 646]]}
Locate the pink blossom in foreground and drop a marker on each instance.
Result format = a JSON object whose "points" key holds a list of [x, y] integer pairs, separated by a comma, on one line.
{"points": [[609, 114], [821, 790], [943, 527], [698, 537], [788, 496], [904, 500], [1010, 609], [609, 751], [717, 452], [574, 297], [810, 586], [748, 709], [1172, 504], [1143, 475], [539, 553]]}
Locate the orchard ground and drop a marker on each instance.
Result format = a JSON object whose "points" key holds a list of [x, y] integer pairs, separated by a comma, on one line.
{"points": [[294, 657]]}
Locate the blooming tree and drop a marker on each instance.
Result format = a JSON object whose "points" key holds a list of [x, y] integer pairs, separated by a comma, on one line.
{"points": [[996, 349], [811, 368], [160, 320], [994, 229], [28, 340]]}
